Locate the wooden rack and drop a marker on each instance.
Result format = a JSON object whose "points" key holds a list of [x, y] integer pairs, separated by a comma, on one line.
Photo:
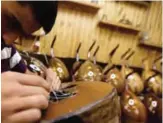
{"points": [[142, 3], [119, 25], [88, 6], [149, 44]]}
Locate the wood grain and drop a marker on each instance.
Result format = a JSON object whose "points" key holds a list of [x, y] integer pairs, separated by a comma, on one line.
{"points": [[74, 25]]}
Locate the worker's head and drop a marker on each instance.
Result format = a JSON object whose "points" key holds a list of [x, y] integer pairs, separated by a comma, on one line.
{"points": [[20, 18]]}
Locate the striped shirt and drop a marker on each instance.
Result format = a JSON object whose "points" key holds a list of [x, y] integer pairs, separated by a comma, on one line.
{"points": [[11, 59]]}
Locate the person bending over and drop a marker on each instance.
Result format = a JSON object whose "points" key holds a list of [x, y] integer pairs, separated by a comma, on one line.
{"points": [[23, 96]]}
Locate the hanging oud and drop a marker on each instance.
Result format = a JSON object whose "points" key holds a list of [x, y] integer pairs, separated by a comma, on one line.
{"points": [[98, 67], [146, 72], [134, 80], [155, 61], [77, 63], [124, 61], [57, 65], [152, 80], [112, 74], [133, 110], [33, 64], [88, 71], [153, 105], [93, 103], [107, 67]]}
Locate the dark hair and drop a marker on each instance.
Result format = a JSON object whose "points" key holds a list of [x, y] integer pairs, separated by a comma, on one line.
{"points": [[45, 12]]}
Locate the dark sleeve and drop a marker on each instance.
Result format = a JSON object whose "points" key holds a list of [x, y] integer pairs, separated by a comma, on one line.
{"points": [[16, 62], [20, 67]]}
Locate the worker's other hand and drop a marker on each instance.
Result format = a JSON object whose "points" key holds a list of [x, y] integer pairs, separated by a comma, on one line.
{"points": [[23, 97], [53, 79]]}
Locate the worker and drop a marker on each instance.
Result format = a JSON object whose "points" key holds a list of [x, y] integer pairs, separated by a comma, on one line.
{"points": [[23, 96]]}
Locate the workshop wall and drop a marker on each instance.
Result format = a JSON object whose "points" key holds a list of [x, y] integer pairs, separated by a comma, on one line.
{"points": [[76, 23]]}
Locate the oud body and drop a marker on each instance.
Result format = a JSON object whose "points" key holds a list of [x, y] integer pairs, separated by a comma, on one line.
{"points": [[112, 74], [95, 102], [33, 64], [88, 71], [115, 78], [153, 80], [154, 84], [133, 109], [59, 67], [153, 105], [133, 79]]}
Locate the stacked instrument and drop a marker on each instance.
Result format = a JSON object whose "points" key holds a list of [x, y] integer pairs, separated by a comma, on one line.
{"points": [[88, 71], [133, 109], [153, 95], [112, 74]]}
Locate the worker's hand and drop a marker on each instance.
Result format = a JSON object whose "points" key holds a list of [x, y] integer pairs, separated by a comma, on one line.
{"points": [[53, 79], [22, 97]]}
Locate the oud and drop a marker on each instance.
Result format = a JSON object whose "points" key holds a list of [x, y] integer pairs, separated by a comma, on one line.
{"points": [[76, 64], [133, 110], [153, 105], [57, 65], [134, 80], [98, 67], [88, 70], [92, 102], [152, 79], [112, 74]]}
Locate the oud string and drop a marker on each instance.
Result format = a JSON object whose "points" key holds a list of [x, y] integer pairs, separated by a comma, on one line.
{"points": [[46, 59], [52, 90]]}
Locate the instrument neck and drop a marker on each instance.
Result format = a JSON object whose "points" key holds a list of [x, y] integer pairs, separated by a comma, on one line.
{"points": [[89, 56], [52, 52], [109, 66], [77, 57], [125, 68], [146, 65], [94, 60]]}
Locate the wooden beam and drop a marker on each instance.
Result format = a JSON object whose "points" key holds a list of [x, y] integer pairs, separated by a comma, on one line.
{"points": [[120, 25], [86, 6]]}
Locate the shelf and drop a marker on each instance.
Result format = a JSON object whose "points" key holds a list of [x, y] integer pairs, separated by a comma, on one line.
{"points": [[149, 44], [142, 3], [120, 25], [86, 5]]}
